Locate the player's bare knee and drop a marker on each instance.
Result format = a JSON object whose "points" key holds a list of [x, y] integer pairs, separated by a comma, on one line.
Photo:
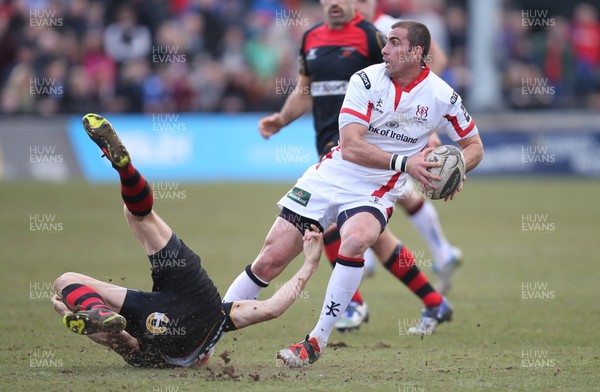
{"points": [[357, 242], [263, 268], [270, 262], [128, 215], [64, 280]]}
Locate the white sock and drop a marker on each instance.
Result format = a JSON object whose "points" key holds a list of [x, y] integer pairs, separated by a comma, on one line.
{"points": [[427, 223], [243, 287], [344, 281], [370, 261]]}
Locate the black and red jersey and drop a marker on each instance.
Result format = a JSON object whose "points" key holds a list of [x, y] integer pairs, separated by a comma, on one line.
{"points": [[330, 57]]}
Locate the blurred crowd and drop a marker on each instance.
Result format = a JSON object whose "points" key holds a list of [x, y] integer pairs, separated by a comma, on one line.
{"points": [[74, 56], [550, 60]]}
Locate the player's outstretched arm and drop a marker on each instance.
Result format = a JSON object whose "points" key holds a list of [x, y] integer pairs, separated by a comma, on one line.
{"points": [[245, 313], [296, 104]]}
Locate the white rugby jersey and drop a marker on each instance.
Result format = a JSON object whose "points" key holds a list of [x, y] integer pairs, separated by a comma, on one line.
{"points": [[399, 120], [384, 23]]}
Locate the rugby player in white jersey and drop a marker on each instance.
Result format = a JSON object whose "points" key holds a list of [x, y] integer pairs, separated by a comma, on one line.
{"points": [[389, 112], [422, 213], [330, 53]]}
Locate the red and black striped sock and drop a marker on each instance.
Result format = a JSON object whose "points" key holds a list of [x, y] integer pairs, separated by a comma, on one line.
{"points": [[80, 297], [402, 265], [331, 245], [135, 191]]}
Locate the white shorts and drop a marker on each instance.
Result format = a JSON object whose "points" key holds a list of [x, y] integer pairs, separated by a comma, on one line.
{"points": [[315, 198]]}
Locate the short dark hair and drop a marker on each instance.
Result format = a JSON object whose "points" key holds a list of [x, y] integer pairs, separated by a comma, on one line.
{"points": [[418, 35]]}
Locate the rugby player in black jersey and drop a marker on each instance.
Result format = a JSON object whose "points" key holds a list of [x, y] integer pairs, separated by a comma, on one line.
{"points": [[179, 322]]}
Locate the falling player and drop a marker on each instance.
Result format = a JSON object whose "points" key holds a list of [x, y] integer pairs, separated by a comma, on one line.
{"points": [[179, 322]]}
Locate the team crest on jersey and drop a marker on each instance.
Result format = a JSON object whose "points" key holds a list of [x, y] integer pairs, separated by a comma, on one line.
{"points": [[421, 113], [378, 107], [346, 51], [312, 54], [156, 323]]}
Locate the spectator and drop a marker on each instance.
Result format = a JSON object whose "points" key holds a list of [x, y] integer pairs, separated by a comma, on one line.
{"points": [[125, 39], [235, 52], [585, 39]]}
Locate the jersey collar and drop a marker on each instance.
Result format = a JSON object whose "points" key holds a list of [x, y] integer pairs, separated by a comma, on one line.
{"points": [[424, 73]]}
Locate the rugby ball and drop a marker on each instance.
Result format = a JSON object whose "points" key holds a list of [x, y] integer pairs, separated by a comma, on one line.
{"points": [[451, 172]]}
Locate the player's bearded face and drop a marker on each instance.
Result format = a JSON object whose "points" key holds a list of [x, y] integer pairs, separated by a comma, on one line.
{"points": [[338, 11], [398, 54]]}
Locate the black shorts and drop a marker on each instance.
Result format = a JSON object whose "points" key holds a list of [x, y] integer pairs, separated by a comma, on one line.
{"points": [[182, 313], [326, 141]]}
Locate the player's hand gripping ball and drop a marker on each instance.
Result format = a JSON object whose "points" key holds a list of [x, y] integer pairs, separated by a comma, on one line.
{"points": [[451, 172]]}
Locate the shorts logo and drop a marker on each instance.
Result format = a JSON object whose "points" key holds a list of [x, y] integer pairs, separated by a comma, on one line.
{"points": [[375, 200], [365, 79], [300, 196], [156, 323], [454, 97]]}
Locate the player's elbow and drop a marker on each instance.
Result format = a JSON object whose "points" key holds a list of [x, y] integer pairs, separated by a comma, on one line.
{"points": [[273, 312], [475, 154], [348, 150]]}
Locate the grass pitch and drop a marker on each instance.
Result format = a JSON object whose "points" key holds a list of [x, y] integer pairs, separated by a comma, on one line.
{"points": [[526, 297]]}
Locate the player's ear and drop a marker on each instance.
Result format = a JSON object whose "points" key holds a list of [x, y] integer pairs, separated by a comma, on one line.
{"points": [[381, 40]]}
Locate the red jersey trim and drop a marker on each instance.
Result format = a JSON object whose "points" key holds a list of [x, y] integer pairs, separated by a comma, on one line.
{"points": [[328, 155], [424, 73], [349, 35], [399, 90], [364, 117], [461, 132], [398, 95], [387, 187]]}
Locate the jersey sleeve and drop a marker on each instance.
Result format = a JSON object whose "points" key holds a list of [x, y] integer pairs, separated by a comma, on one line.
{"points": [[302, 57], [457, 123], [376, 42], [228, 325], [357, 106]]}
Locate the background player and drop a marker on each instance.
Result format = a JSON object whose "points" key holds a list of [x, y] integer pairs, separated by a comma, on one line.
{"points": [[181, 320], [329, 54]]}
